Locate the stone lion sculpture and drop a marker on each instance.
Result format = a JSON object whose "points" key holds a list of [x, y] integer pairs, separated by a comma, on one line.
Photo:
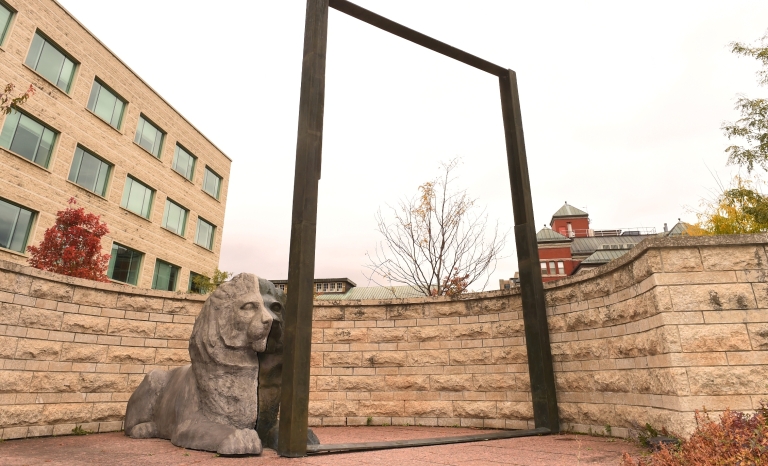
{"points": [[233, 384]]}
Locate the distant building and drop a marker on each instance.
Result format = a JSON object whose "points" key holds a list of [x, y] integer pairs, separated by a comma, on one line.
{"points": [[345, 289], [511, 283], [323, 285]]}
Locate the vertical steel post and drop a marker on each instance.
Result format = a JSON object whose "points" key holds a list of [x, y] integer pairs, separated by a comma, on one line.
{"points": [[294, 401], [532, 289]]}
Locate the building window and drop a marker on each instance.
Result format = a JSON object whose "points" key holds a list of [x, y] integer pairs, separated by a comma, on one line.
{"points": [[124, 264], [212, 183], [166, 276], [543, 268], [5, 22], [24, 136], [149, 137], [137, 197], [15, 223], [106, 104], [89, 172], [204, 234], [51, 63], [552, 270], [193, 287], [319, 287], [561, 267], [184, 163], [175, 217]]}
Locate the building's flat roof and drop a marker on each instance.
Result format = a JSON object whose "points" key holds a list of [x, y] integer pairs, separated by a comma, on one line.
{"points": [[591, 244], [373, 292]]}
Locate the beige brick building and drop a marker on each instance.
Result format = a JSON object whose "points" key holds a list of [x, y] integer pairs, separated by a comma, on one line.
{"points": [[95, 131]]}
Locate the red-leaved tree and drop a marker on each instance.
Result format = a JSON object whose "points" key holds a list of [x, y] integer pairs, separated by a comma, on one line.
{"points": [[73, 245]]}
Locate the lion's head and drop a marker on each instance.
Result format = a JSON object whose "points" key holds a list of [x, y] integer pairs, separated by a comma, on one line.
{"points": [[241, 318]]}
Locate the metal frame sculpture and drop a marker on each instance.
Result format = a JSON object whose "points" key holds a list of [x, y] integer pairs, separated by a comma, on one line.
{"points": [[294, 404]]}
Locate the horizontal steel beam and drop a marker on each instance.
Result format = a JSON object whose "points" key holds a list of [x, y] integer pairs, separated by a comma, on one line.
{"points": [[424, 442], [416, 37]]}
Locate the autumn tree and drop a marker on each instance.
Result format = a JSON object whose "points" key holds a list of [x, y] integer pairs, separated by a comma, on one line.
{"points": [[72, 246], [438, 242], [205, 285], [9, 100], [737, 209]]}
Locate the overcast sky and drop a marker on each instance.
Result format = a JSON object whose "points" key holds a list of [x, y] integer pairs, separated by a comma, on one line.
{"points": [[622, 104]]}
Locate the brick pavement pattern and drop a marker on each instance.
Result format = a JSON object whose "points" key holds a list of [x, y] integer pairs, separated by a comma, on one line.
{"points": [[116, 449]]}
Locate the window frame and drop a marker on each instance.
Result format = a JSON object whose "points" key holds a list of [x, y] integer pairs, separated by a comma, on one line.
{"points": [[561, 267], [221, 182], [163, 136], [61, 50], [113, 262], [191, 278], [30, 226], [107, 179], [169, 201], [125, 201], [45, 126], [192, 156], [544, 268], [116, 95], [155, 275], [11, 17], [213, 233]]}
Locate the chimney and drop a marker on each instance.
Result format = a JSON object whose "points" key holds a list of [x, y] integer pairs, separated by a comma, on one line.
{"points": [[665, 227]]}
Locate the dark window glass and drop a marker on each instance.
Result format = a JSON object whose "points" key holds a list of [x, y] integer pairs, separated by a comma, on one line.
{"points": [[90, 172], [184, 163], [15, 222], [137, 197], [5, 21], [174, 217], [166, 276], [51, 63], [27, 138], [124, 264], [211, 183], [104, 103], [149, 137], [204, 234], [193, 288]]}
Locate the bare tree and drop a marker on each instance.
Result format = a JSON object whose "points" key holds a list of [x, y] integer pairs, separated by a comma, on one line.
{"points": [[438, 242]]}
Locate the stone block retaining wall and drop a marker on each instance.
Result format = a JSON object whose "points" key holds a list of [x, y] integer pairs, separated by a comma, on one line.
{"points": [[674, 325]]}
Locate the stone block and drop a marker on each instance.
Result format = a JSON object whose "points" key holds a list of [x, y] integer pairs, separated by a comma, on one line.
{"points": [[344, 408], [110, 426], [759, 336], [720, 337], [470, 331], [515, 410], [732, 380], [14, 381], [138, 303], [381, 408], [66, 413], [406, 382], [431, 333], [182, 307], [361, 383], [82, 323], [38, 349], [131, 328], [364, 312], [40, 431], [173, 331], [92, 297], [451, 383], [428, 408], [327, 313], [383, 335], [102, 382], [55, 382], [385, 358], [51, 290], [405, 311], [130, 355], [733, 257], [342, 359], [493, 382], [713, 297], [14, 282], [508, 328], [470, 356], [40, 318], [681, 260], [597, 287], [565, 295], [491, 305], [474, 409], [108, 411], [428, 358], [761, 293], [448, 309], [345, 335], [9, 314], [173, 357]]}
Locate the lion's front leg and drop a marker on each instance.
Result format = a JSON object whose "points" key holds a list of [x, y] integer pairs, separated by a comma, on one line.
{"points": [[199, 433]]}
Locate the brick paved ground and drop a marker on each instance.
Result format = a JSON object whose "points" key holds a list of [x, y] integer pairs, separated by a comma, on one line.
{"points": [[116, 449]]}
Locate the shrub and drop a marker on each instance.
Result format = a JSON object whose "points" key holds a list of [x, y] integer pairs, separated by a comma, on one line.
{"points": [[72, 246], [737, 439]]}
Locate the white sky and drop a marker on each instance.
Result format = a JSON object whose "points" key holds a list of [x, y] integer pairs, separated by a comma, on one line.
{"points": [[622, 104]]}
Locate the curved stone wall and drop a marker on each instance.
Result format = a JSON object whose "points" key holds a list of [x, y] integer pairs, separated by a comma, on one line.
{"points": [[674, 325]]}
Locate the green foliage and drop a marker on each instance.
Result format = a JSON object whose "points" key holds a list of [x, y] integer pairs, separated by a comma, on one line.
{"points": [[207, 285], [608, 430], [369, 421], [752, 127], [78, 430], [737, 439], [738, 209], [9, 101], [646, 433]]}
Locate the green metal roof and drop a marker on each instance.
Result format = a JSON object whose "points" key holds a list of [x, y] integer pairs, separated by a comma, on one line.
{"points": [[373, 292], [548, 235], [680, 229], [603, 256], [593, 243], [569, 211]]}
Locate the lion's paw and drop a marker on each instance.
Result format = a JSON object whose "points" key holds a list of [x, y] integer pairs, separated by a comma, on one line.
{"points": [[241, 442], [144, 430]]}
